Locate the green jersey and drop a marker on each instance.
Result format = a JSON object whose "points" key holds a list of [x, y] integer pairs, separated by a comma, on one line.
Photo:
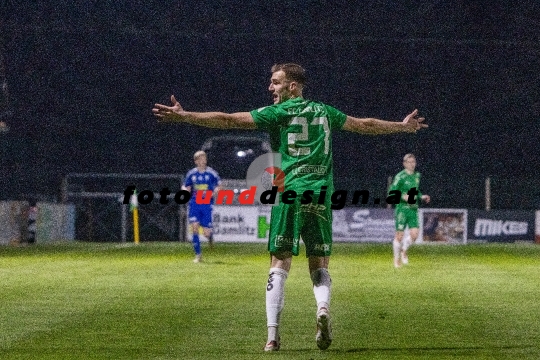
{"points": [[301, 131], [403, 182]]}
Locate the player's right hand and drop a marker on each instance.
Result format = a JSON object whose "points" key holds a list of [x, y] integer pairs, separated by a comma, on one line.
{"points": [[168, 113]]}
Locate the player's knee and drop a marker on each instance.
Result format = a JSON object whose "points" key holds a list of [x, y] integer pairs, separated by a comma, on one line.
{"points": [[321, 277], [282, 255]]}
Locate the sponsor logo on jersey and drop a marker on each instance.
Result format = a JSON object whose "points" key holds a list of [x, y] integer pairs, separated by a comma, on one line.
{"points": [[201, 186], [317, 209], [322, 247], [281, 240], [309, 169]]}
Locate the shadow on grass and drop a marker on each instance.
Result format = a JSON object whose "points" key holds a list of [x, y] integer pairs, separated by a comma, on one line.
{"points": [[398, 350], [443, 349]]}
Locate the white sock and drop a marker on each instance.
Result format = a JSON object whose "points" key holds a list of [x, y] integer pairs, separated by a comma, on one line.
{"points": [[275, 299], [397, 248], [322, 287], [272, 333], [406, 243]]}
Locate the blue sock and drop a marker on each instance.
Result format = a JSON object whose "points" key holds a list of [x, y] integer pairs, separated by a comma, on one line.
{"points": [[196, 244]]}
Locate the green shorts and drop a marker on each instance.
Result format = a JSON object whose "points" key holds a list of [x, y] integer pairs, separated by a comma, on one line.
{"points": [[311, 222], [406, 216]]}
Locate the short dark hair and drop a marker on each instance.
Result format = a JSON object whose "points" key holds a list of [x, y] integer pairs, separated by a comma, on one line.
{"points": [[293, 72]]}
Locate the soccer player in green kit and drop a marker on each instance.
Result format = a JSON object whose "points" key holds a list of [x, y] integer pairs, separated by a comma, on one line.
{"points": [[301, 131], [407, 209]]}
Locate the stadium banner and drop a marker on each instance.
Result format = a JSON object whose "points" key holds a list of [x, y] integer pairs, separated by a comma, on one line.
{"points": [[363, 225], [537, 228], [252, 224], [55, 222], [501, 225], [13, 222], [239, 223], [443, 226]]}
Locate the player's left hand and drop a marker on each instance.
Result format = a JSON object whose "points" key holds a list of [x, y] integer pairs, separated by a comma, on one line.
{"points": [[426, 199], [168, 113], [414, 121]]}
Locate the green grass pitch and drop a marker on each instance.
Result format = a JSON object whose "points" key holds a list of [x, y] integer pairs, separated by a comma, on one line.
{"points": [[114, 301]]}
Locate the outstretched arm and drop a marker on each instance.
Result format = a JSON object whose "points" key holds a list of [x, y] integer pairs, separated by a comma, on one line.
{"points": [[410, 124], [218, 120]]}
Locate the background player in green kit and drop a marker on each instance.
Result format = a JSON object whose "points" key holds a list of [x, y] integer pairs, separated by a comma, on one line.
{"points": [[407, 210], [301, 131]]}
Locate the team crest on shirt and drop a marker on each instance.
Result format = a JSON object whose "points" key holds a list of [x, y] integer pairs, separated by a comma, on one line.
{"points": [[193, 178]]}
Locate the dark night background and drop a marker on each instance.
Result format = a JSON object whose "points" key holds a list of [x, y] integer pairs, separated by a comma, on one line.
{"points": [[83, 77]]}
